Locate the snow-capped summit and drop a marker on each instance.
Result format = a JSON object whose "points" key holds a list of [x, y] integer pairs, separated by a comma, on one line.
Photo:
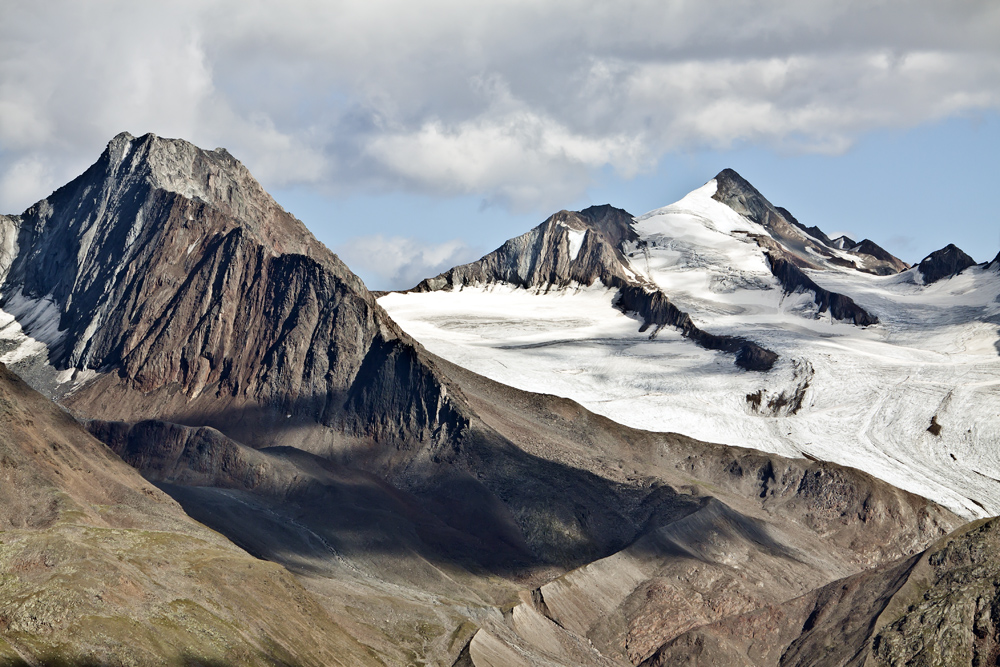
{"points": [[866, 356]]}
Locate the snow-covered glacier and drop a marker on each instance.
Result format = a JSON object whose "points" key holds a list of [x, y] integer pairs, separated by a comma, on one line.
{"points": [[913, 399]]}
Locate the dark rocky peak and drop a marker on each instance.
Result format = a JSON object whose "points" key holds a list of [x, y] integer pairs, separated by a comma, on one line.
{"points": [[843, 243], [807, 247], [614, 223], [174, 275], [872, 249], [944, 263], [738, 194], [215, 178]]}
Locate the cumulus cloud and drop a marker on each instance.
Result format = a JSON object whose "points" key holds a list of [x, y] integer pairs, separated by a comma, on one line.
{"points": [[517, 102], [396, 262]]}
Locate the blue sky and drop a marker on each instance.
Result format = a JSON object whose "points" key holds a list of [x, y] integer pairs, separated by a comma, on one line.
{"points": [[911, 191], [413, 135]]}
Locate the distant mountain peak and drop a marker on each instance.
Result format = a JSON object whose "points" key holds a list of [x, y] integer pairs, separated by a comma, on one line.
{"points": [[944, 263], [808, 247]]}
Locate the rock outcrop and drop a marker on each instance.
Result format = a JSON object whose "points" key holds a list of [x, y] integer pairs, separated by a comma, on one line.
{"points": [[656, 311], [841, 307], [570, 247], [944, 263], [937, 607]]}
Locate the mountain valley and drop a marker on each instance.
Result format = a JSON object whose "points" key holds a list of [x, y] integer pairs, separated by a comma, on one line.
{"points": [[669, 439]]}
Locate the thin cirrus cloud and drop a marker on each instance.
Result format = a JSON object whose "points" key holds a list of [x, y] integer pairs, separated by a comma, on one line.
{"points": [[519, 103]]}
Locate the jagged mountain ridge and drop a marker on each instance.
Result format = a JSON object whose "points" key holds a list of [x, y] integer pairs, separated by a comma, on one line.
{"points": [[810, 249], [737, 266], [584, 248], [384, 478], [149, 260], [601, 245]]}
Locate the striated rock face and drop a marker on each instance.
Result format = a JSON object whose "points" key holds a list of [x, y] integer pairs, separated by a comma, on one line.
{"points": [[174, 274], [570, 247], [944, 263]]}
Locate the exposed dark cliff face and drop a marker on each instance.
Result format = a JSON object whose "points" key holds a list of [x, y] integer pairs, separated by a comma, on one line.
{"points": [[656, 310], [176, 274], [738, 194], [568, 247], [841, 307], [944, 263], [614, 224]]}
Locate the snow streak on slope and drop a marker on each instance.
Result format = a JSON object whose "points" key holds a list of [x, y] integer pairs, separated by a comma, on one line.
{"points": [[863, 397]]}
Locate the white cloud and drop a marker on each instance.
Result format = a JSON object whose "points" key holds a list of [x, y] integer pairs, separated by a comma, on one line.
{"points": [[515, 101], [396, 262], [25, 176]]}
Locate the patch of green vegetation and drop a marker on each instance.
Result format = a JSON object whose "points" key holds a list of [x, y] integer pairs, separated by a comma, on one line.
{"points": [[463, 632]]}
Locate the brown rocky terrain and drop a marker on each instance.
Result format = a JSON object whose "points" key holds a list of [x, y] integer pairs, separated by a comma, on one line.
{"points": [[434, 516], [936, 608], [101, 567]]}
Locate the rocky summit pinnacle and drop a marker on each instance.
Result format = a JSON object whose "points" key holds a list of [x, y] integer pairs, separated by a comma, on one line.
{"points": [[167, 269], [944, 263]]}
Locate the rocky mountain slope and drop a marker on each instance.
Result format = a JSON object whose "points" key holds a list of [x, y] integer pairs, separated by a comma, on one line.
{"points": [[101, 567], [434, 515], [168, 272], [939, 607]]}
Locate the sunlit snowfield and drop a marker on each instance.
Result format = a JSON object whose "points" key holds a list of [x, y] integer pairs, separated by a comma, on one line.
{"points": [[869, 394]]}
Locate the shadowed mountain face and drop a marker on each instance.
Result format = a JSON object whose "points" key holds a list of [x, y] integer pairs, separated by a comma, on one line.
{"points": [[433, 515], [169, 270]]}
